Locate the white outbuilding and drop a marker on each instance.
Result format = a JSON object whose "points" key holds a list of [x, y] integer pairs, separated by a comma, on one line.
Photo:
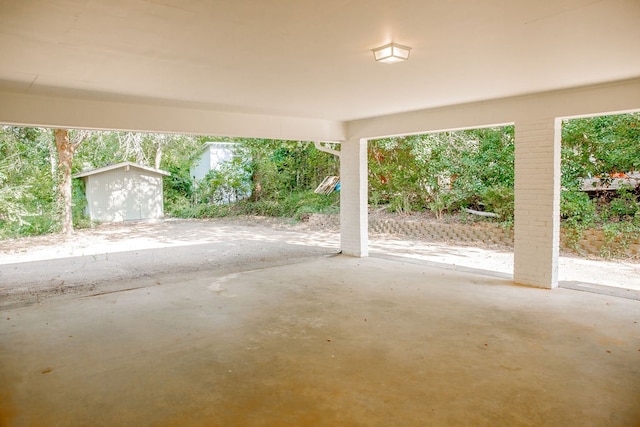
{"points": [[124, 191], [213, 155]]}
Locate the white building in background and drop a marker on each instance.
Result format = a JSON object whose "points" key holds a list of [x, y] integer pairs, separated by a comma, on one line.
{"points": [[213, 155], [124, 191]]}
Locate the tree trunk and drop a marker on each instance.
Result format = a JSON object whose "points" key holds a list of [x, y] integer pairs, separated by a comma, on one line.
{"points": [[158, 158], [53, 161], [256, 178], [65, 157], [256, 193]]}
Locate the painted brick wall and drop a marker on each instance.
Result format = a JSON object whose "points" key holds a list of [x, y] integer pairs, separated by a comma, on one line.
{"points": [[537, 202], [353, 198]]}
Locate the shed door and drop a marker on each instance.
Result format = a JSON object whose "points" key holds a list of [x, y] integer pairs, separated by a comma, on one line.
{"points": [[149, 196], [131, 205]]}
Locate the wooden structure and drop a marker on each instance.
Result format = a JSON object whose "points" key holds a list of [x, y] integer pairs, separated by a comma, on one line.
{"points": [[328, 185]]}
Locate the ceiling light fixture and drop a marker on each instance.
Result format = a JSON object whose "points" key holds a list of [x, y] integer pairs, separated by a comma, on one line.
{"points": [[391, 53]]}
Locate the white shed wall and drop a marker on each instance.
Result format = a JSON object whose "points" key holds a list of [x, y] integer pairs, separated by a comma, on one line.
{"points": [[212, 157], [121, 195]]}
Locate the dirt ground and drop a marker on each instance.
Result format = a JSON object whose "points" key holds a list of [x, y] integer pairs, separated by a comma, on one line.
{"points": [[105, 258]]}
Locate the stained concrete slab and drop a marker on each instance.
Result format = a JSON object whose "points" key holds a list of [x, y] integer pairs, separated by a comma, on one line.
{"points": [[328, 340]]}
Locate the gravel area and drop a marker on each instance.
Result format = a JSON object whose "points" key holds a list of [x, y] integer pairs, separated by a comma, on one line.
{"points": [[109, 257]]}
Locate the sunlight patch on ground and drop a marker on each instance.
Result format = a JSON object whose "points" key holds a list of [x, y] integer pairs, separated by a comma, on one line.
{"points": [[110, 239]]}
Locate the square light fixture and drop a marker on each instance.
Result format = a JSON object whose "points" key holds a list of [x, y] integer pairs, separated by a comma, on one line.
{"points": [[391, 53]]}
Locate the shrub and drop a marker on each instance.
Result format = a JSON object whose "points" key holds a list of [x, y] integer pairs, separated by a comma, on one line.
{"points": [[617, 237], [442, 203], [79, 205], [294, 206], [499, 200], [626, 204], [179, 207], [227, 184], [577, 209], [401, 203]]}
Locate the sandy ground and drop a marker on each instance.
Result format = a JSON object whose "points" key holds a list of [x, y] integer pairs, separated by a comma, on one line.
{"points": [[103, 258]]}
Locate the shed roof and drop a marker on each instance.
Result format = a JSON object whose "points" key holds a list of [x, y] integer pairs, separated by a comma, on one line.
{"points": [[216, 144], [126, 165]]}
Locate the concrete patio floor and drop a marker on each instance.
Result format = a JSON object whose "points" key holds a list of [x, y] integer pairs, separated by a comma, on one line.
{"points": [[323, 340]]}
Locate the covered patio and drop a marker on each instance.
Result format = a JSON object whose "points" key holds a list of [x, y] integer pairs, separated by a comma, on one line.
{"points": [[349, 340], [306, 71]]}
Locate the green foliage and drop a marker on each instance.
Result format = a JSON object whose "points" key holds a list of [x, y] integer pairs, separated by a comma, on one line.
{"points": [[178, 155], [28, 172], [445, 171], [178, 192], [280, 168], [618, 236], [27, 196], [294, 205], [578, 213], [12, 197], [394, 175], [229, 183], [279, 176], [598, 146], [577, 209], [402, 203], [499, 199], [78, 209], [276, 173], [625, 205], [310, 203]]}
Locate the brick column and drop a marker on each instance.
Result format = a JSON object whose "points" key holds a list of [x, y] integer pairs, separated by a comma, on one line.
{"points": [[537, 202], [354, 239]]}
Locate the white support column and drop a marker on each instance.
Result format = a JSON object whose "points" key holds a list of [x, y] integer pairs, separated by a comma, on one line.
{"points": [[354, 220], [537, 202]]}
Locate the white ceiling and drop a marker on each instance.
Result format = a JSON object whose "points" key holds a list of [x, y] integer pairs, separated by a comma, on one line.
{"points": [[312, 58]]}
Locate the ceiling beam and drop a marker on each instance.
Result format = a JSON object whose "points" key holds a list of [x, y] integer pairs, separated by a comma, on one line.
{"points": [[598, 99], [51, 111]]}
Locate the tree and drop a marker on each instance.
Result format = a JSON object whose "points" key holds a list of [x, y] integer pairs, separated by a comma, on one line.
{"points": [[66, 147], [27, 190], [444, 171], [281, 168], [13, 195], [598, 146]]}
